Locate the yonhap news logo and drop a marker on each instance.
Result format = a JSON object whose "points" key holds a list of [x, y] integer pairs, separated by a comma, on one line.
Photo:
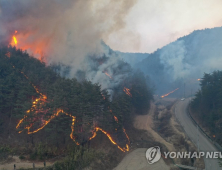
{"points": [[153, 155]]}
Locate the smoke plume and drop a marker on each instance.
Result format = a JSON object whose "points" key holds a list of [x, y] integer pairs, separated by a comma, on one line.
{"points": [[66, 31], [185, 60]]}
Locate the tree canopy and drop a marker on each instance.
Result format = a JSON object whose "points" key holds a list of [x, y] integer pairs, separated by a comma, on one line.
{"points": [[207, 104], [33, 92]]}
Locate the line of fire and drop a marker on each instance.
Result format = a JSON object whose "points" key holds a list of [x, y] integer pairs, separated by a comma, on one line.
{"points": [[39, 113], [169, 93]]}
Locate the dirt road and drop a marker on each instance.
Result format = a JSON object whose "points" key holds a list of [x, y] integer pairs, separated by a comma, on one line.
{"points": [[145, 122], [136, 160]]}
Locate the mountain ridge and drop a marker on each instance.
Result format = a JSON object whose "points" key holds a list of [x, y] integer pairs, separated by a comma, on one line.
{"points": [[184, 60]]}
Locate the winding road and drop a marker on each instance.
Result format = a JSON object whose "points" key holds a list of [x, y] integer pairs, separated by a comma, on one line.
{"points": [[197, 137]]}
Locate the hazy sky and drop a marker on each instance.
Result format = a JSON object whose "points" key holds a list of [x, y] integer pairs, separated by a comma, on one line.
{"points": [[151, 24]]}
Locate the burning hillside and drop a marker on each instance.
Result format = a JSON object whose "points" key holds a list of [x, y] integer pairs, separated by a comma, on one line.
{"points": [[98, 70], [91, 75], [50, 98], [36, 118], [66, 33]]}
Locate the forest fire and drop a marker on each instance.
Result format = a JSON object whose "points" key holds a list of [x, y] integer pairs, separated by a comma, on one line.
{"points": [[41, 100], [127, 91], [57, 113], [198, 79], [35, 48], [108, 75], [111, 139], [39, 114], [14, 41], [169, 93], [116, 119]]}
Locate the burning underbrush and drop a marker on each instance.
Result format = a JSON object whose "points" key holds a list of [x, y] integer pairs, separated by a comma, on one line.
{"points": [[165, 95], [61, 103], [59, 110], [73, 89]]}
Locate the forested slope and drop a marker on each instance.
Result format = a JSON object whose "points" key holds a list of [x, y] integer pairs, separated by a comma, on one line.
{"points": [[184, 60], [207, 104], [39, 106]]}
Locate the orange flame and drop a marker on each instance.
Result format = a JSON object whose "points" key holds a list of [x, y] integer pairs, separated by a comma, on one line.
{"points": [[198, 79], [127, 91], [28, 127], [124, 130], [14, 41], [110, 138], [42, 99], [169, 93], [108, 75], [34, 48], [116, 119]]}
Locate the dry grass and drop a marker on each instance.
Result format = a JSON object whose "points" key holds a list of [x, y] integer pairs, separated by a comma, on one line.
{"points": [[166, 125]]}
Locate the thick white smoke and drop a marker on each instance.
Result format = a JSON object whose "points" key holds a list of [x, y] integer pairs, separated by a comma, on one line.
{"points": [[66, 31], [184, 61], [193, 55], [173, 57]]}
